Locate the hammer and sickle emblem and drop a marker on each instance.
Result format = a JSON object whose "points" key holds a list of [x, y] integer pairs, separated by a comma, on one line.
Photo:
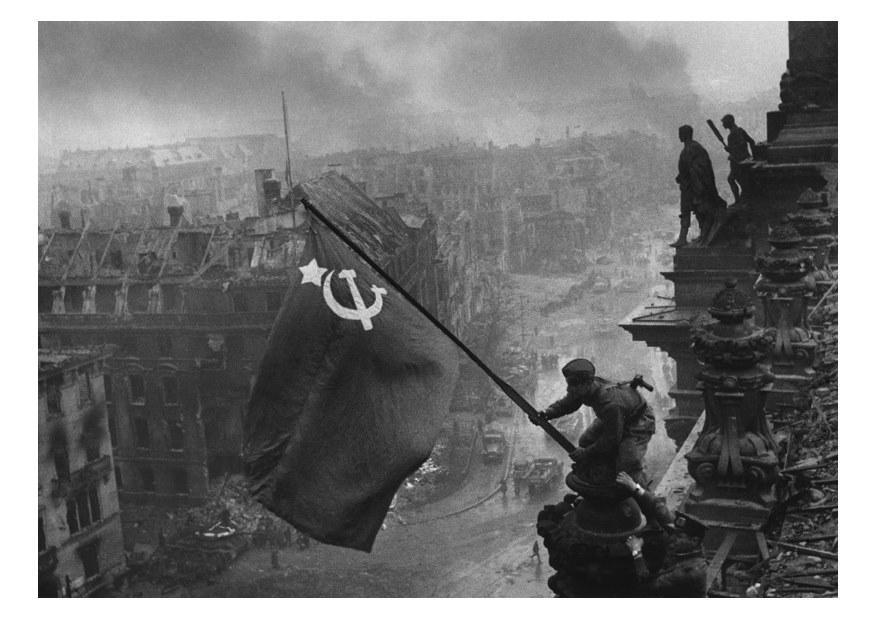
{"points": [[361, 312]]}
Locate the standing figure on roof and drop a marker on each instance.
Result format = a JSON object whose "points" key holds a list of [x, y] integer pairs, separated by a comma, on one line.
{"points": [[624, 422], [698, 189], [737, 146]]}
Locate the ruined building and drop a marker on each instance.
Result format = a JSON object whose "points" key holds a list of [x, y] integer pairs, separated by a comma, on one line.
{"points": [[80, 532], [189, 309]]}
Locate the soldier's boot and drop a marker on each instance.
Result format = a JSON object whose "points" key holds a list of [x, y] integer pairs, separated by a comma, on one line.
{"points": [[682, 236]]}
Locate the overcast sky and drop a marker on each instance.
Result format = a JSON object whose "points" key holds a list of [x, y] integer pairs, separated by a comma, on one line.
{"points": [[387, 83]]}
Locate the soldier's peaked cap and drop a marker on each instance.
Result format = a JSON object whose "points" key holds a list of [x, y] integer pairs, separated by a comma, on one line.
{"points": [[578, 369]]}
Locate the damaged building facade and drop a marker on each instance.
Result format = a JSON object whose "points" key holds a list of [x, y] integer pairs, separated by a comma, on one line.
{"points": [[209, 176], [531, 209], [80, 530], [189, 309]]}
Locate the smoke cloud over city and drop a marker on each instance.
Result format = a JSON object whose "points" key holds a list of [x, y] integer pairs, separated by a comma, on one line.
{"points": [[349, 85]]}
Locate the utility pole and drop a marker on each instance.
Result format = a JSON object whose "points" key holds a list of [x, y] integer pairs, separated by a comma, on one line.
{"points": [[522, 325], [288, 155]]}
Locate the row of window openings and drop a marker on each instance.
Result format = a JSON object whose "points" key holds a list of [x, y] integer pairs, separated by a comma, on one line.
{"points": [[138, 301], [129, 346], [178, 478], [137, 383], [143, 439]]}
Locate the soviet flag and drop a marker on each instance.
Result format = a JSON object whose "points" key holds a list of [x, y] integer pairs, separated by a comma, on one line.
{"points": [[349, 398]]}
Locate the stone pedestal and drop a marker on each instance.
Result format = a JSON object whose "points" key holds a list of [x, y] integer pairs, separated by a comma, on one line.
{"points": [[586, 537], [734, 462]]}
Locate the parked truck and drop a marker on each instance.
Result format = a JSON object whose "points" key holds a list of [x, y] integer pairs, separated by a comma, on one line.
{"points": [[544, 474], [494, 445]]}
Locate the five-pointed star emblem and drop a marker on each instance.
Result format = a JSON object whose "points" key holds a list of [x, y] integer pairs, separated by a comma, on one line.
{"points": [[312, 273]]}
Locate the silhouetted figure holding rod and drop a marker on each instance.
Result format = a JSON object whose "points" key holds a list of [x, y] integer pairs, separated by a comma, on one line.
{"points": [[737, 146]]}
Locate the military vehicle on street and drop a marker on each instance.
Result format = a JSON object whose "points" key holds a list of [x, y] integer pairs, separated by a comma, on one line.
{"points": [[494, 445], [543, 475]]}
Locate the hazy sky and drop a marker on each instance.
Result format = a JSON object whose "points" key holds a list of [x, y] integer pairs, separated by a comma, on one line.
{"points": [[386, 83]]}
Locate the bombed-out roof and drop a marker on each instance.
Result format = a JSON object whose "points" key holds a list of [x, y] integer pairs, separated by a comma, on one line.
{"points": [[378, 231]]}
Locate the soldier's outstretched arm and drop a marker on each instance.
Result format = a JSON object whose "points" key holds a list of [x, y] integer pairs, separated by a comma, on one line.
{"points": [[565, 405]]}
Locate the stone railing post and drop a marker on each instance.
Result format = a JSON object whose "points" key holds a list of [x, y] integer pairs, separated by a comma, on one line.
{"points": [[813, 221], [787, 287], [734, 462]]}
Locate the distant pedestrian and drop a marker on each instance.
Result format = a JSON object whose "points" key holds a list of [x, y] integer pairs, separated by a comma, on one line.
{"points": [[503, 487], [536, 552]]}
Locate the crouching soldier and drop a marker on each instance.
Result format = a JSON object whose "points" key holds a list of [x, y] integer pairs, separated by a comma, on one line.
{"points": [[624, 422], [670, 563]]}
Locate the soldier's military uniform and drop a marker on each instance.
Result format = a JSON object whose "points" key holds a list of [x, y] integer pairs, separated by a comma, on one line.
{"points": [[624, 422], [675, 558]]}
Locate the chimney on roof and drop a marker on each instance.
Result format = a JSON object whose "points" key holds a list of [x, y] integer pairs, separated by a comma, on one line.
{"points": [[262, 175], [175, 213], [64, 217]]}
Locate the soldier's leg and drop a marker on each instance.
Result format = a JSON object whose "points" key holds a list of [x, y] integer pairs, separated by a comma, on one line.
{"points": [[630, 456], [733, 181], [592, 433]]}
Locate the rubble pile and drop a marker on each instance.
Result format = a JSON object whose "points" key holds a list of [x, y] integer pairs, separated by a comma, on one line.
{"points": [[804, 540], [807, 560], [231, 495], [426, 483]]}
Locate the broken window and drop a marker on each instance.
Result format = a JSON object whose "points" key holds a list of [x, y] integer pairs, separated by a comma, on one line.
{"points": [[42, 534], [138, 388], [92, 450], [165, 345], [82, 509], [44, 300], [62, 460], [107, 387], [141, 432], [147, 478], [171, 390], [72, 518], [116, 260], [112, 423], [53, 395], [94, 503], [233, 258], [177, 438], [180, 481], [88, 555], [84, 384]]}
